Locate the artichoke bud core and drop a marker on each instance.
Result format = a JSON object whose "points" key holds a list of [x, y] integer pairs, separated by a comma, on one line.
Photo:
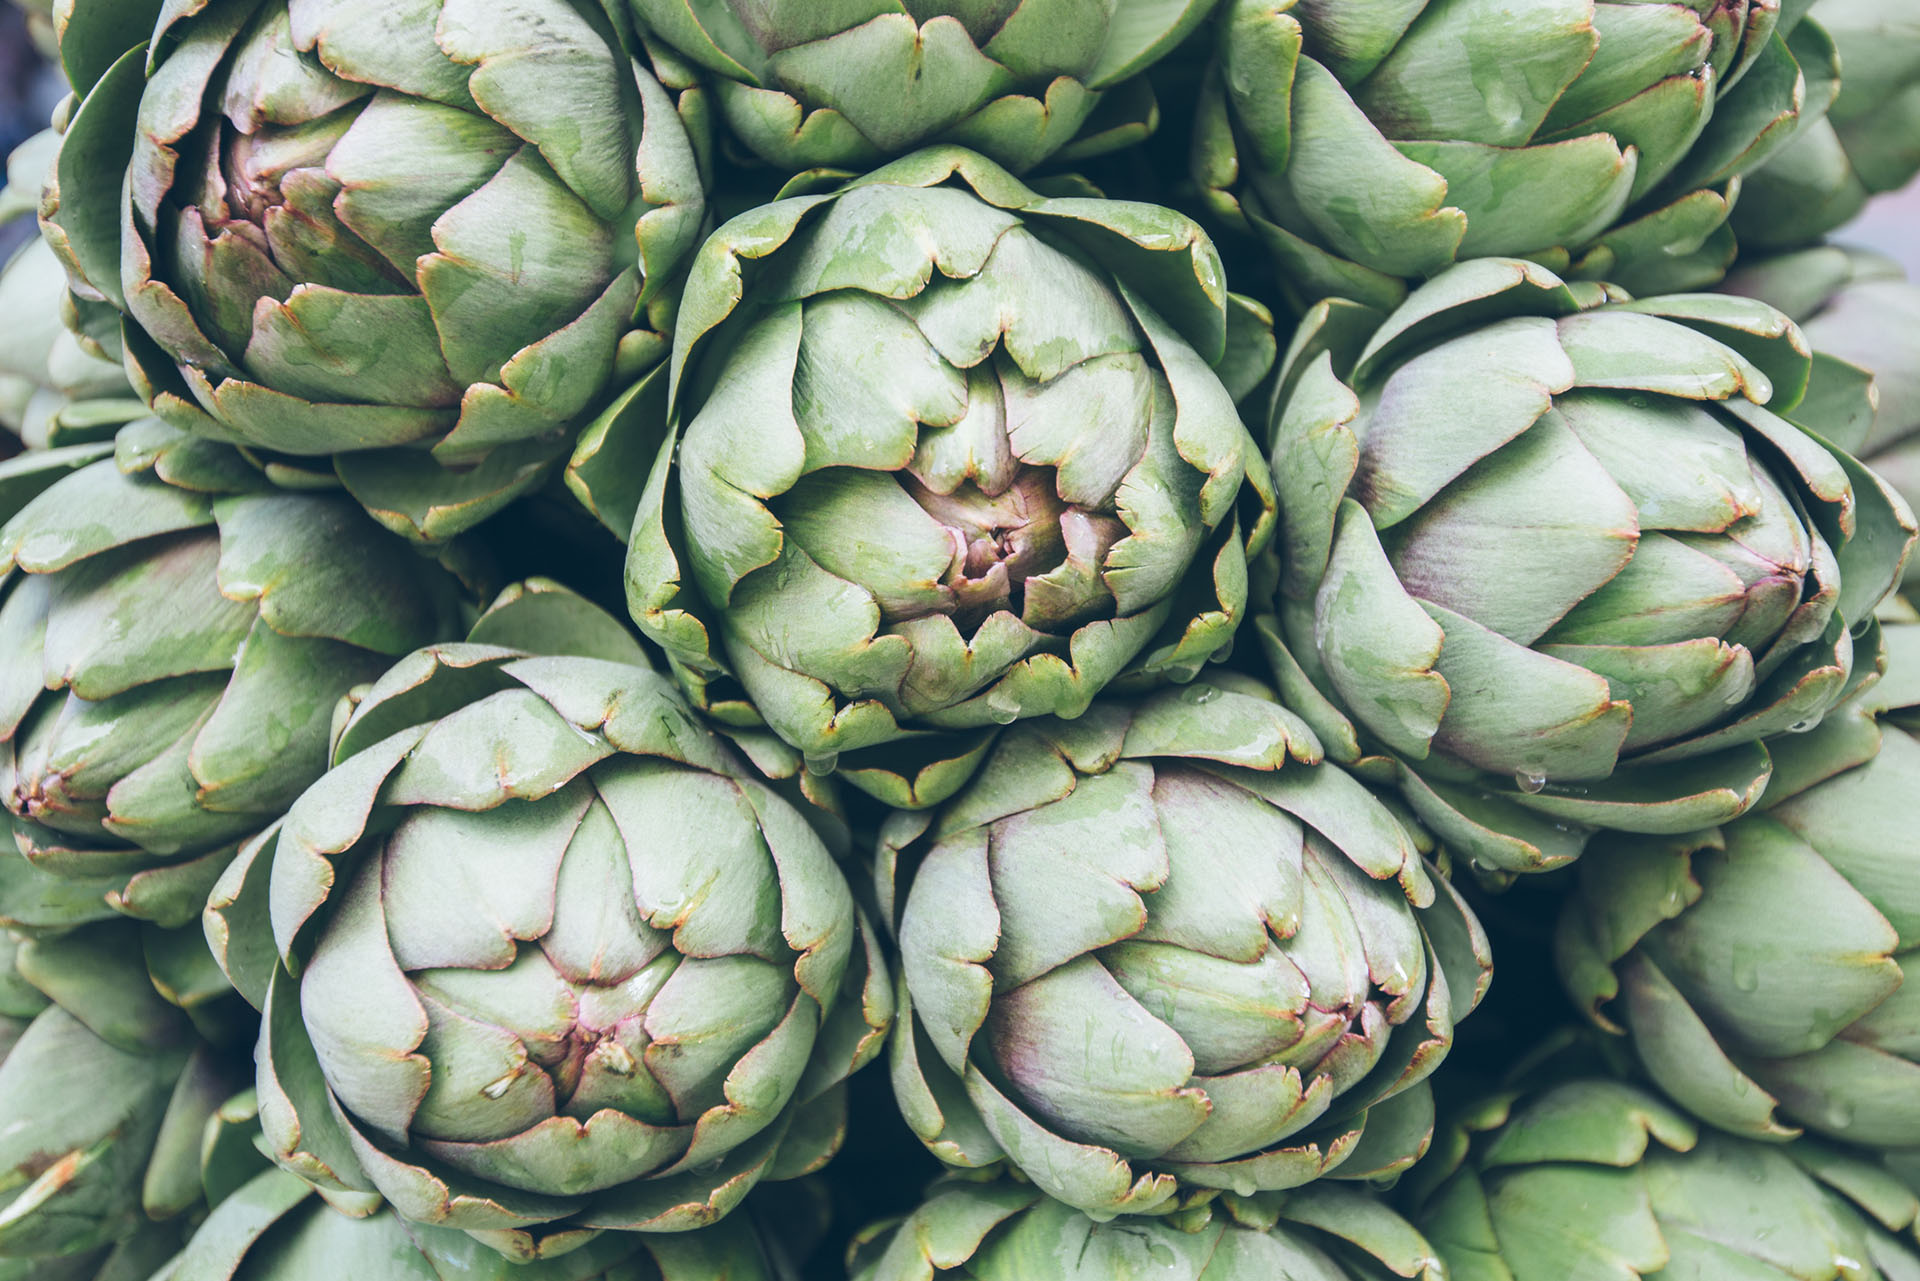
{"points": [[607, 1025], [1005, 540], [1009, 550]]}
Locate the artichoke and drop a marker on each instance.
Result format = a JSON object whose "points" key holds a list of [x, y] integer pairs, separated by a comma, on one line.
{"points": [[173, 657], [892, 500], [1862, 318], [1868, 142], [1759, 968], [412, 247], [848, 85], [109, 1102], [537, 958], [1160, 954], [1598, 1178], [1556, 561], [277, 1229], [982, 1232], [1368, 144], [56, 388]]}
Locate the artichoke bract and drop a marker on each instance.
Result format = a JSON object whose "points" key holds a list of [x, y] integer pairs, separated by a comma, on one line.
{"points": [[1596, 1173], [412, 247], [172, 660], [537, 957], [848, 85], [276, 1228], [1868, 142], [1161, 954], [1557, 560], [1759, 969], [1368, 144], [1862, 317], [982, 1232], [943, 453]]}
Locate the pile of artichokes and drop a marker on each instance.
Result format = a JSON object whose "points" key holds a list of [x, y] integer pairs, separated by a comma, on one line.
{"points": [[1101, 640]]}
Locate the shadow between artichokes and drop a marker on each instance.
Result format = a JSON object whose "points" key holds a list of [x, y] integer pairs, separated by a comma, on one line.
{"points": [[985, 1232], [1161, 955], [1758, 969], [538, 958], [1369, 145], [412, 248], [938, 453], [806, 84], [1555, 561]]}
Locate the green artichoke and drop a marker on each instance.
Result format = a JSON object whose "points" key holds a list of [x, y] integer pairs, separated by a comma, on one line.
{"points": [[1599, 1178], [852, 83], [1161, 954], [986, 1232], [1369, 144], [1868, 143], [108, 1104], [537, 958], [892, 500], [413, 246], [173, 657], [1862, 318], [56, 387], [277, 1229], [1759, 968], [1556, 561]]}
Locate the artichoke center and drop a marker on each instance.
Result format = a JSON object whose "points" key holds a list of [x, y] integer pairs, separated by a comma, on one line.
{"points": [[999, 541]]}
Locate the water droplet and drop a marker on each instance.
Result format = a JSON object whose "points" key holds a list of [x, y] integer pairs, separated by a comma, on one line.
{"points": [[822, 764], [1839, 1114], [1003, 705], [1746, 968], [1801, 727], [1849, 1267], [1199, 695], [495, 1089], [1530, 783]]}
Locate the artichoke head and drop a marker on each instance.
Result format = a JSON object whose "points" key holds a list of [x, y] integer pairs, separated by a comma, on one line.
{"points": [[1161, 955], [940, 453], [1558, 558], [412, 248], [538, 958]]}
